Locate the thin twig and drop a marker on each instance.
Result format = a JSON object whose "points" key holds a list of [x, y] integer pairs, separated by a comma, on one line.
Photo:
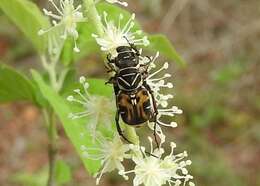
{"points": [[52, 148], [61, 78]]}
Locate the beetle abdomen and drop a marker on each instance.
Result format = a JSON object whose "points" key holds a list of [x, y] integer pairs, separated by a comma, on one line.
{"points": [[135, 108]]}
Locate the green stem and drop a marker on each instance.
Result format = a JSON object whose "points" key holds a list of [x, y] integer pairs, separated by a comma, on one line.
{"points": [[131, 134], [93, 16], [56, 81], [52, 146]]}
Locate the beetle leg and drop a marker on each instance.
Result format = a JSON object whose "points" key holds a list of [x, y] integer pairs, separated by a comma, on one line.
{"points": [[154, 119], [110, 81], [109, 58], [154, 130], [153, 99], [135, 49], [148, 63], [109, 65], [154, 133], [155, 115], [119, 130], [150, 60], [145, 67], [110, 68]]}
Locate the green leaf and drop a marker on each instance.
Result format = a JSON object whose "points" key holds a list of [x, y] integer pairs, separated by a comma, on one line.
{"points": [[86, 42], [73, 128], [69, 82], [67, 52], [62, 172], [14, 86], [27, 179], [97, 86], [28, 18], [159, 42]]}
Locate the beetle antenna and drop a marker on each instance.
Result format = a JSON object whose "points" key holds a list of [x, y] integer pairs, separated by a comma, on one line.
{"points": [[131, 44], [151, 154]]}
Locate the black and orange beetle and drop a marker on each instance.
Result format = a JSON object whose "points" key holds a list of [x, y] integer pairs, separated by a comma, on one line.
{"points": [[134, 98]]}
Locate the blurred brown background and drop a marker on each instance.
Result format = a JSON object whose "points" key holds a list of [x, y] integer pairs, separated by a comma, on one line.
{"points": [[218, 91]]}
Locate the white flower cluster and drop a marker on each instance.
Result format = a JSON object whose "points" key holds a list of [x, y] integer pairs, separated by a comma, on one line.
{"points": [[66, 18], [155, 169], [157, 84], [94, 107], [111, 153], [158, 170], [115, 36]]}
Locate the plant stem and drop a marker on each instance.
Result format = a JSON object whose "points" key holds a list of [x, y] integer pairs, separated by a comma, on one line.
{"points": [[93, 16], [131, 134], [52, 146]]}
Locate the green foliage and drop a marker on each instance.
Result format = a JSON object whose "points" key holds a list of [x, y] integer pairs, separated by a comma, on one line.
{"points": [[69, 82], [67, 52], [97, 86], [86, 42], [62, 176], [28, 179], [62, 172], [28, 18], [14, 86], [73, 128]]}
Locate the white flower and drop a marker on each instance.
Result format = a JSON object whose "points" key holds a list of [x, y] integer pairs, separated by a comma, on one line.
{"points": [[156, 171], [99, 109], [117, 1], [157, 84], [111, 154], [68, 17], [115, 36]]}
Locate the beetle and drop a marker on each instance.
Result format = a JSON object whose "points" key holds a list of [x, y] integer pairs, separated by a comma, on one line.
{"points": [[134, 98]]}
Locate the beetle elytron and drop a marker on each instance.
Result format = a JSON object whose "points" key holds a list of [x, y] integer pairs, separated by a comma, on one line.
{"points": [[134, 98]]}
